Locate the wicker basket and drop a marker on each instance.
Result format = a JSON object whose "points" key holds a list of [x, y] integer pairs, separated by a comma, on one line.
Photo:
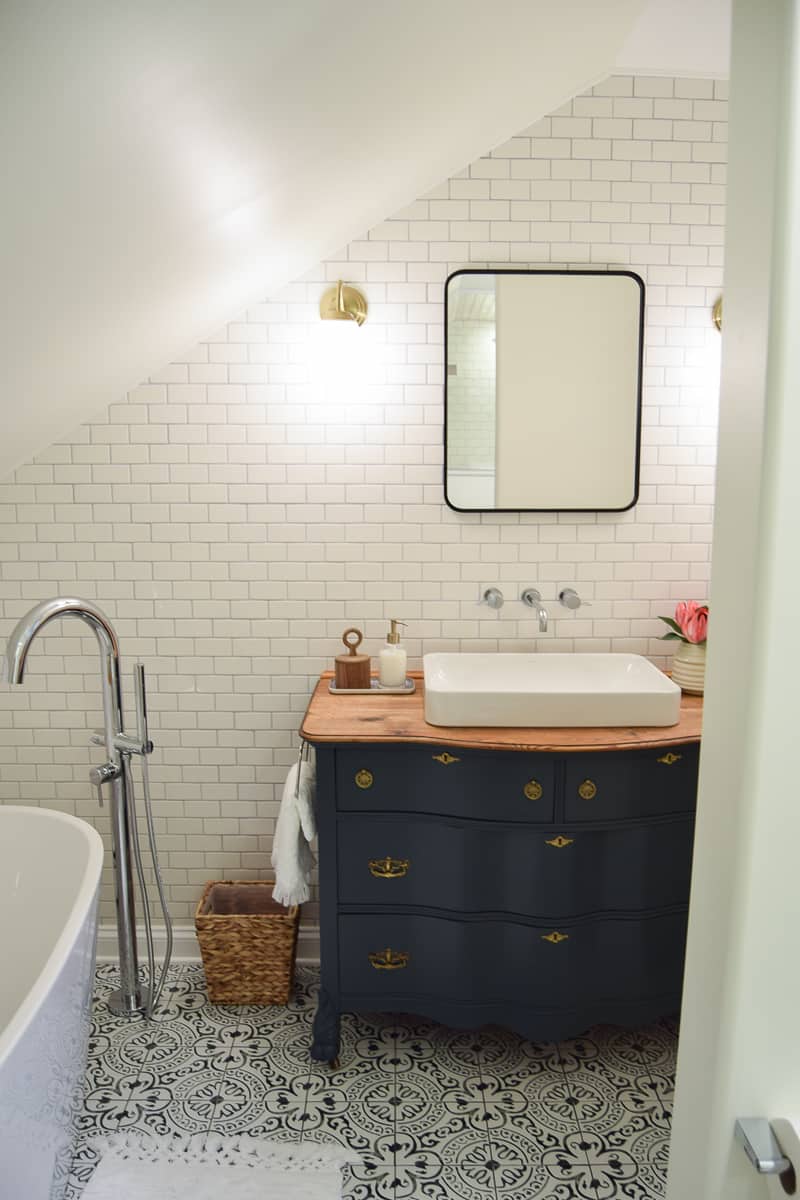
{"points": [[248, 942]]}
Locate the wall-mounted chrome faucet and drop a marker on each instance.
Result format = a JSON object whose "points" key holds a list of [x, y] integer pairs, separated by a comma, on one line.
{"points": [[533, 599], [131, 997]]}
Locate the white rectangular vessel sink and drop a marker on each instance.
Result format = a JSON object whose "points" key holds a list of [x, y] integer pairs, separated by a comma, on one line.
{"points": [[548, 690]]}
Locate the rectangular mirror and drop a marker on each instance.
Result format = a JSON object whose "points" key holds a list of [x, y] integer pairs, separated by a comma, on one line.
{"points": [[543, 388]]}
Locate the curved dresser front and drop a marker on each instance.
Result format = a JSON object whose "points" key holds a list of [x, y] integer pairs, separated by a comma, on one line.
{"points": [[538, 884]]}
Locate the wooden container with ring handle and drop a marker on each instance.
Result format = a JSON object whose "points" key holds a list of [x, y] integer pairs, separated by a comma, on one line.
{"points": [[352, 670]]}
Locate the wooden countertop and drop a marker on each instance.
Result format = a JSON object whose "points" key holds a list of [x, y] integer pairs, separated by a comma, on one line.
{"points": [[393, 718]]}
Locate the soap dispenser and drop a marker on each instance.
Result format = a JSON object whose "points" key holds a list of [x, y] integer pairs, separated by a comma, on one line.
{"points": [[392, 659]]}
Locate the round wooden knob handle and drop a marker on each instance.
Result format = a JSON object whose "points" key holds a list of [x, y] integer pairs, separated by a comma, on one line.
{"points": [[347, 636]]}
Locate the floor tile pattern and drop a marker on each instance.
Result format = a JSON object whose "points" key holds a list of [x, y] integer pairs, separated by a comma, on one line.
{"points": [[423, 1111]]}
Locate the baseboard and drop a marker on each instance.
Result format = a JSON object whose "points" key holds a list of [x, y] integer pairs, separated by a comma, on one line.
{"points": [[186, 949]]}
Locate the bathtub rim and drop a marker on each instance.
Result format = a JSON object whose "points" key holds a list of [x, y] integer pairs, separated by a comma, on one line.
{"points": [[87, 893]]}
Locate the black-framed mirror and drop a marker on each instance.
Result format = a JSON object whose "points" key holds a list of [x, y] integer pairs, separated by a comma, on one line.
{"points": [[543, 384]]}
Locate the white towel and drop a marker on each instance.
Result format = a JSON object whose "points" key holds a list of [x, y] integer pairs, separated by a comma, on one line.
{"points": [[296, 828]]}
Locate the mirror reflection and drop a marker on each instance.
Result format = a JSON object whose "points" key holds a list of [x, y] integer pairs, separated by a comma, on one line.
{"points": [[543, 390]]}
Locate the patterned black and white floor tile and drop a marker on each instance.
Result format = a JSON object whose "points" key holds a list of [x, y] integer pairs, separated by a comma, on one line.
{"points": [[423, 1112]]}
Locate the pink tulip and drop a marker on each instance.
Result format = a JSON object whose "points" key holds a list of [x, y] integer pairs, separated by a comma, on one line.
{"points": [[696, 627]]}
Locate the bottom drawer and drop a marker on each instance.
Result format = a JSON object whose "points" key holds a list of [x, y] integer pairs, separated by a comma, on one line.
{"points": [[496, 962]]}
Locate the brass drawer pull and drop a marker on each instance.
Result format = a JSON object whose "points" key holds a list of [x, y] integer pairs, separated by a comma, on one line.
{"points": [[533, 790], [364, 779], [389, 868], [555, 937], [587, 790], [389, 960], [670, 758], [445, 759], [559, 842]]}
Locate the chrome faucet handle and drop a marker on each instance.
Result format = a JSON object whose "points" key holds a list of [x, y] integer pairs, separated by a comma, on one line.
{"points": [[493, 597], [98, 738], [570, 598], [100, 775]]}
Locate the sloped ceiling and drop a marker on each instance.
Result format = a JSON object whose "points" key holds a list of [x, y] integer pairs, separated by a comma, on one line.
{"points": [[166, 164]]}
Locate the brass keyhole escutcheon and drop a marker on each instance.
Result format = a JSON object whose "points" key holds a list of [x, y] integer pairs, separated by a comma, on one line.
{"points": [[445, 759], [559, 842], [533, 790], [670, 758], [364, 779], [555, 937], [587, 790]]}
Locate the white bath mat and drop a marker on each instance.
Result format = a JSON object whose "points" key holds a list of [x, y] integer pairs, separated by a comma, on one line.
{"points": [[206, 1167]]}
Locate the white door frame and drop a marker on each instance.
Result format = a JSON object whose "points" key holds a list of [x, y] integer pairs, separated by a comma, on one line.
{"points": [[739, 1052]]}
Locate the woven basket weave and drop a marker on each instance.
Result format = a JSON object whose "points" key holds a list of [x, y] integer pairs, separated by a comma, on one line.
{"points": [[248, 942]]}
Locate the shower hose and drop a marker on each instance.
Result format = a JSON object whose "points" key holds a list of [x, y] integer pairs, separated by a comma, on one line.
{"points": [[154, 991]]}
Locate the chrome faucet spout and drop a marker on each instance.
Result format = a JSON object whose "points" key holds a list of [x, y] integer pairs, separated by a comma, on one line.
{"points": [[34, 622], [533, 599]]}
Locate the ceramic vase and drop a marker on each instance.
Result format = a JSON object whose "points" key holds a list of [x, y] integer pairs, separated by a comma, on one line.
{"points": [[689, 667]]}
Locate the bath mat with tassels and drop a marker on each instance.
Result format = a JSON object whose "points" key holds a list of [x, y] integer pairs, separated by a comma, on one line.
{"points": [[206, 1167]]}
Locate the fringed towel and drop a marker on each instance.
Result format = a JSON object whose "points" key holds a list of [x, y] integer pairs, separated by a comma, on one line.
{"points": [[208, 1167]]}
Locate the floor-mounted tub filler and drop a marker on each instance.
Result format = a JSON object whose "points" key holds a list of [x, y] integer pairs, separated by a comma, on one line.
{"points": [[131, 998], [49, 875]]}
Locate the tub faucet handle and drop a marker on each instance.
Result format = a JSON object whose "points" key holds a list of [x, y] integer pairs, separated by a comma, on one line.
{"points": [[103, 774]]}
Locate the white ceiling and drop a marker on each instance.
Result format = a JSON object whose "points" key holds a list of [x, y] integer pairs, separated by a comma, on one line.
{"points": [[165, 165]]}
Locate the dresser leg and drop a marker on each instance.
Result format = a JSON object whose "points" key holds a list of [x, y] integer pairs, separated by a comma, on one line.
{"points": [[325, 1047]]}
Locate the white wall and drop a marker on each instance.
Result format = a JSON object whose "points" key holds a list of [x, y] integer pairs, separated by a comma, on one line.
{"points": [[283, 480], [679, 35]]}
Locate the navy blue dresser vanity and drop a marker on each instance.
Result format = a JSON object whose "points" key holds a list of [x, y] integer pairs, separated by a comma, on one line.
{"points": [[498, 876]]}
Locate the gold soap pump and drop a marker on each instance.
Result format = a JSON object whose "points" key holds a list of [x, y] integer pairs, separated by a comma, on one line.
{"points": [[392, 658]]}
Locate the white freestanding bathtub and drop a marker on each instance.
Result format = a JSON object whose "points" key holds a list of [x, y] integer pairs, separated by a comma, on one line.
{"points": [[49, 875]]}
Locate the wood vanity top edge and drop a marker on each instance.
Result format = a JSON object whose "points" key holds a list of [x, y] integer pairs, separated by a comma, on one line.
{"points": [[393, 718]]}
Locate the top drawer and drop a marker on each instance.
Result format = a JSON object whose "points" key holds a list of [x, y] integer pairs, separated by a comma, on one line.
{"points": [[639, 783], [458, 783]]}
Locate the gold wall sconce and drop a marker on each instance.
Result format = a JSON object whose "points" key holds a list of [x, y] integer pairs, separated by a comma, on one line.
{"points": [[716, 314], [343, 303]]}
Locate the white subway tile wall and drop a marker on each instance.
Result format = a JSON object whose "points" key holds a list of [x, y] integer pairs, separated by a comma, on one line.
{"points": [[282, 481]]}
